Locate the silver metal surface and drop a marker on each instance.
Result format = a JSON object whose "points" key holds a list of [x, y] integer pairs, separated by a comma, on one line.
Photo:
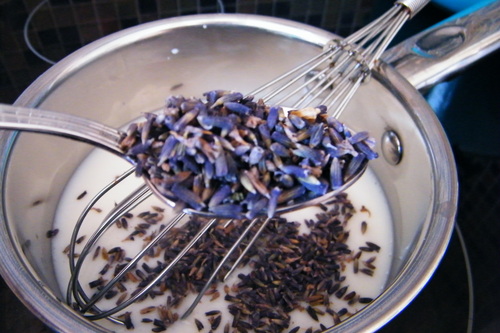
{"points": [[392, 147], [414, 6], [62, 124], [344, 63], [446, 48]]}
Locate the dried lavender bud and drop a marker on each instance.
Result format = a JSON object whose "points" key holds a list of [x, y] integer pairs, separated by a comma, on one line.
{"points": [[83, 194], [199, 324], [52, 233], [308, 271], [230, 141]]}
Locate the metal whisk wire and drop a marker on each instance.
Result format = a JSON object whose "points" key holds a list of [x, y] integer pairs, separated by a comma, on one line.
{"points": [[331, 78]]}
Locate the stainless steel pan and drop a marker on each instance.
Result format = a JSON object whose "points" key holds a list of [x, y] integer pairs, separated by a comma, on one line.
{"points": [[115, 78]]}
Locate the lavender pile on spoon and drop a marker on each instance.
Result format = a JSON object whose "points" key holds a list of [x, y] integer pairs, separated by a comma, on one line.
{"points": [[238, 158]]}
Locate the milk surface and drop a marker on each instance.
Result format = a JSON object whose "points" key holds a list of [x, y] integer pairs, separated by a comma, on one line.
{"points": [[100, 168]]}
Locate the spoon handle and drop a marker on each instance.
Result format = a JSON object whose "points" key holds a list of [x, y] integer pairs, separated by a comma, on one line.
{"points": [[61, 124]]}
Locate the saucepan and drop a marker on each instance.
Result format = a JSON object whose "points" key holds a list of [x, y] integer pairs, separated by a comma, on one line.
{"points": [[118, 77]]}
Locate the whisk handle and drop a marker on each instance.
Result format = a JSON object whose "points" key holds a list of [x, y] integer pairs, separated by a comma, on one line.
{"points": [[414, 6], [61, 124]]}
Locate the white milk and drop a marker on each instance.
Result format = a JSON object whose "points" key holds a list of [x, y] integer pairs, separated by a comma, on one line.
{"points": [[101, 167]]}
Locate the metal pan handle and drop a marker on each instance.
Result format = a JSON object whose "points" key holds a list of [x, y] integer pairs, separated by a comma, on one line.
{"points": [[444, 49]]}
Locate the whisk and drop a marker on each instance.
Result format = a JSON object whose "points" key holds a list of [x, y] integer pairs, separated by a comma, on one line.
{"points": [[331, 78]]}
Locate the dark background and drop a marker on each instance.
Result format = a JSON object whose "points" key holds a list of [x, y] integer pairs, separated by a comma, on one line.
{"points": [[464, 292]]}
